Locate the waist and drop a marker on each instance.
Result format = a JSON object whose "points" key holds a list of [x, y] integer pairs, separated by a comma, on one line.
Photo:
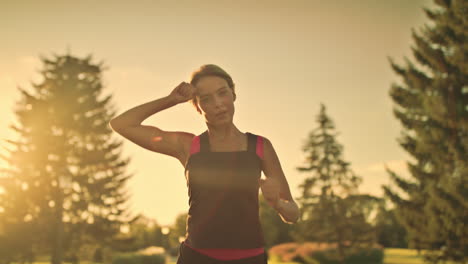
{"points": [[228, 253], [224, 228]]}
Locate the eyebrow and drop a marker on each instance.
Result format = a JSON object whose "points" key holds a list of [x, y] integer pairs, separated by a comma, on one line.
{"points": [[220, 88]]}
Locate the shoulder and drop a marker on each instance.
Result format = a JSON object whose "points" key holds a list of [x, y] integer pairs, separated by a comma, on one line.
{"points": [[264, 147], [188, 139], [267, 146], [191, 143], [255, 135], [260, 138], [185, 141], [185, 137]]}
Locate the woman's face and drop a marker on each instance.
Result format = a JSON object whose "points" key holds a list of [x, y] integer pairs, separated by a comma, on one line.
{"points": [[215, 100]]}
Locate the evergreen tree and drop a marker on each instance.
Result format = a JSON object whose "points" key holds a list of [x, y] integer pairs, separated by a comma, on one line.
{"points": [[431, 104], [332, 209], [16, 227], [390, 233], [66, 177]]}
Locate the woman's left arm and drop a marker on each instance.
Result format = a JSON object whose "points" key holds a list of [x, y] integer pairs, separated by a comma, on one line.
{"points": [[275, 187]]}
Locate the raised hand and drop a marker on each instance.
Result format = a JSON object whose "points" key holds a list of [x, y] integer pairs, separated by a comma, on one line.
{"points": [[182, 93]]}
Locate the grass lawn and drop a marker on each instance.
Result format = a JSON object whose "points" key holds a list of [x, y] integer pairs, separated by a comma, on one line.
{"points": [[392, 256], [404, 256]]}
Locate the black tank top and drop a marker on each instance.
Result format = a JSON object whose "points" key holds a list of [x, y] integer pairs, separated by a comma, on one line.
{"points": [[223, 196]]}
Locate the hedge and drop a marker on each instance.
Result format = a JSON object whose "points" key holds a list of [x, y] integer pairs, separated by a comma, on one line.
{"points": [[138, 259]]}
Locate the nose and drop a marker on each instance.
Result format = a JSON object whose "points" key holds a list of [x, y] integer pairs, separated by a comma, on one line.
{"points": [[217, 101]]}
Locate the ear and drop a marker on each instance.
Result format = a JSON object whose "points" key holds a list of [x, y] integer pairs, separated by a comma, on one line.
{"points": [[234, 94]]}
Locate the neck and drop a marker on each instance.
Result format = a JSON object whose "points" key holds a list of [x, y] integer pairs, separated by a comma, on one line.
{"points": [[223, 132]]}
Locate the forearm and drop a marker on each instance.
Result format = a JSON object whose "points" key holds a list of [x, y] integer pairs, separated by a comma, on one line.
{"points": [[135, 116], [288, 210]]}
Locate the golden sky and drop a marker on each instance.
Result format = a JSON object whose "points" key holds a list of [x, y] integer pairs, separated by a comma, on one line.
{"points": [[286, 57]]}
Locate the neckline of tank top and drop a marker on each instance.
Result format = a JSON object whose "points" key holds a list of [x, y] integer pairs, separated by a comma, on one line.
{"points": [[235, 151]]}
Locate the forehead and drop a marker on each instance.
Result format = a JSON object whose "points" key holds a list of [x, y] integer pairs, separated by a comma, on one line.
{"points": [[210, 84]]}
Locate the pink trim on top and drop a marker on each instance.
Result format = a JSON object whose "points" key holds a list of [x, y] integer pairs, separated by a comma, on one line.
{"points": [[259, 149], [228, 253], [195, 147]]}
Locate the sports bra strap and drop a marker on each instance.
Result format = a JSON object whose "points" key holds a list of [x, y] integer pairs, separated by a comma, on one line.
{"points": [[204, 142], [259, 146], [200, 144], [195, 147], [256, 144], [251, 139]]}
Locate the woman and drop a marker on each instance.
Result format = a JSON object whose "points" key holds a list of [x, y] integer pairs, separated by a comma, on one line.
{"points": [[222, 167]]}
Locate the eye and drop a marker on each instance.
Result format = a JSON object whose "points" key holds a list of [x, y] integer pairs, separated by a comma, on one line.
{"points": [[223, 92], [205, 99]]}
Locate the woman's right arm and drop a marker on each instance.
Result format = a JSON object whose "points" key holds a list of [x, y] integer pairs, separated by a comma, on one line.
{"points": [[175, 144]]}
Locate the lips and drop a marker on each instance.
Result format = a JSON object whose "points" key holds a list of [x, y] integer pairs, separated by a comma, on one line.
{"points": [[221, 114]]}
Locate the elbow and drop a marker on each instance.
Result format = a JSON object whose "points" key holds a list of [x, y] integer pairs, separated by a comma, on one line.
{"points": [[118, 123], [112, 124], [115, 125]]}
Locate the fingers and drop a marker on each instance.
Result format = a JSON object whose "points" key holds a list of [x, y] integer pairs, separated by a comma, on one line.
{"points": [[184, 92], [187, 90]]}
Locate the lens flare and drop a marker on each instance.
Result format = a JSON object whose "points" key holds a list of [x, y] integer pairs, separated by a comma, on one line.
{"points": [[156, 139]]}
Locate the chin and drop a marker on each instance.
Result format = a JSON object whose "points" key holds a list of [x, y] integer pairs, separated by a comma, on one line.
{"points": [[220, 122]]}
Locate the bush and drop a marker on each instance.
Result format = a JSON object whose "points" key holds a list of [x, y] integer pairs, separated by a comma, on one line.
{"points": [[296, 252], [367, 256], [138, 259], [324, 253], [285, 252]]}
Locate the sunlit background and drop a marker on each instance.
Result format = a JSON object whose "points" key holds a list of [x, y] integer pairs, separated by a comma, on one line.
{"points": [[286, 57]]}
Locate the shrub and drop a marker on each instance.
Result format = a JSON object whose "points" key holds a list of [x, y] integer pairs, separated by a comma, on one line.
{"points": [[138, 259], [324, 253], [367, 256], [298, 252], [284, 252], [364, 256]]}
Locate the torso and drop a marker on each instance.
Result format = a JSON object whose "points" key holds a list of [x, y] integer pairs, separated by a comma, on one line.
{"points": [[222, 182]]}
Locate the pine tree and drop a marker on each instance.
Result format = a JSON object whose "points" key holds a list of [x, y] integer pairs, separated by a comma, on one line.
{"points": [[16, 228], [390, 233], [332, 209], [432, 105], [66, 176]]}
